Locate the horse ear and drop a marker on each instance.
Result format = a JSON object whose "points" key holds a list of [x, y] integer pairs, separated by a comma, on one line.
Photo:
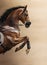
{"points": [[23, 10], [25, 6]]}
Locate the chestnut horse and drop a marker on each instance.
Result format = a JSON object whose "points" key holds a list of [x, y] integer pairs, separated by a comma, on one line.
{"points": [[9, 29]]}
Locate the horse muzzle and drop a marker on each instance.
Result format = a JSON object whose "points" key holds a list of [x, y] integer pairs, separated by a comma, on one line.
{"points": [[27, 24]]}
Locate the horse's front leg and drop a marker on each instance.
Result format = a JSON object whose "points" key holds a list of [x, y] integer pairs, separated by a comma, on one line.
{"points": [[25, 40]]}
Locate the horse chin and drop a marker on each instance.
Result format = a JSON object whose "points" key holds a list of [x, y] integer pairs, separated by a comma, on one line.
{"points": [[27, 25]]}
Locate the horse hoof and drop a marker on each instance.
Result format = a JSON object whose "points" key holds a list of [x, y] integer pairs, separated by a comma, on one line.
{"points": [[27, 51]]}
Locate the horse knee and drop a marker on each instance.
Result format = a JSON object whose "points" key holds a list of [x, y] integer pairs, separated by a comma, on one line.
{"points": [[26, 38]]}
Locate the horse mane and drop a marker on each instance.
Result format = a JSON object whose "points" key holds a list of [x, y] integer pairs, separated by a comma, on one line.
{"points": [[7, 12]]}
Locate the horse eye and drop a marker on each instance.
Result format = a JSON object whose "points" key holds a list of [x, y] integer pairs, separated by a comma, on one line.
{"points": [[26, 14]]}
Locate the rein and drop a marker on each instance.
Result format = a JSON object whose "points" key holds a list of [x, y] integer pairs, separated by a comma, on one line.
{"points": [[19, 24]]}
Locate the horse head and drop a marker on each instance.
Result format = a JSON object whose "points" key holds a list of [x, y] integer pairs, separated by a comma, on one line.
{"points": [[23, 16]]}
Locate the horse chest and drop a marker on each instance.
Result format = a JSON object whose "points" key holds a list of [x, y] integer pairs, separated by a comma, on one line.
{"points": [[11, 29]]}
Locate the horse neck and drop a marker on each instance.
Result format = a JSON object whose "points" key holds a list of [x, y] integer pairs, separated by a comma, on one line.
{"points": [[11, 23], [12, 20]]}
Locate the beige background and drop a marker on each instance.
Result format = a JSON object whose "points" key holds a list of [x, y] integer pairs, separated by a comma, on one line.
{"points": [[37, 34]]}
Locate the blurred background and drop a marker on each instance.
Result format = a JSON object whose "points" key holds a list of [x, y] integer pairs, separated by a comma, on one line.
{"points": [[37, 34]]}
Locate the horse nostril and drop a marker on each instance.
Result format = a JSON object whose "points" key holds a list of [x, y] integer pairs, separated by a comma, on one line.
{"points": [[27, 24], [30, 22]]}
